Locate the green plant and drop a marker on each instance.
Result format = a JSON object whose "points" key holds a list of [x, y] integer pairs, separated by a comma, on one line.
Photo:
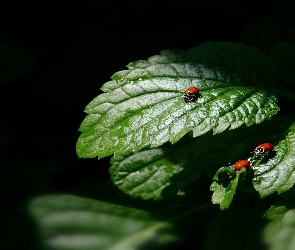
{"points": [[171, 153]]}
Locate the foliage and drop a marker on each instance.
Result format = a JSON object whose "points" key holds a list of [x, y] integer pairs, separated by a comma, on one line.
{"points": [[173, 152]]}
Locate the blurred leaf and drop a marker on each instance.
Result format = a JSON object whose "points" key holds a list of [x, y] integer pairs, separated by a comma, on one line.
{"points": [[280, 233], [143, 106], [71, 222]]}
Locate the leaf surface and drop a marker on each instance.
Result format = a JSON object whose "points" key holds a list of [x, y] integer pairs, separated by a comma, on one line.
{"points": [[143, 106], [277, 174], [147, 173]]}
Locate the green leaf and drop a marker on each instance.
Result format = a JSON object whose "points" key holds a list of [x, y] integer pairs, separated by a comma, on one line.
{"points": [[143, 106], [277, 174], [222, 195], [280, 233], [70, 222], [171, 169], [147, 173]]}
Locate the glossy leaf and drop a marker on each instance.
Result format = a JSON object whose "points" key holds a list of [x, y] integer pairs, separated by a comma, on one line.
{"points": [[143, 106]]}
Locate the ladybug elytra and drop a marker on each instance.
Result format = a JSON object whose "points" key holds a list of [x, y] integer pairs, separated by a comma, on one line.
{"points": [[241, 164], [191, 94], [263, 149]]}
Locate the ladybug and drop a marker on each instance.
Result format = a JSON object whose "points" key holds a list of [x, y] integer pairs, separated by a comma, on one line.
{"points": [[241, 164], [263, 149], [191, 94]]}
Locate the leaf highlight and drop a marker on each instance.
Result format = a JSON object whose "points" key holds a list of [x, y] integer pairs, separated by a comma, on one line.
{"points": [[143, 106]]}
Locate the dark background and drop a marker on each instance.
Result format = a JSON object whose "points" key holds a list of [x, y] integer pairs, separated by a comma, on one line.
{"points": [[55, 56]]}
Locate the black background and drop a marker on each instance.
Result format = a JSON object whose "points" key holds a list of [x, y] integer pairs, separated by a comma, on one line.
{"points": [[72, 48]]}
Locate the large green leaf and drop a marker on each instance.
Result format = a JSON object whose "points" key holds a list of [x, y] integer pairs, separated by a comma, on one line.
{"points": [[143, 106], [277, 174], [67, 222]]}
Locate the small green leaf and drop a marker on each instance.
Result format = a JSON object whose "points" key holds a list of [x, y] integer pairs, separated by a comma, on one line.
{"points": [[222, 195], [147, 173], [280, 233], [219, 192], [71, 222], [143, 106], [278, 174]]}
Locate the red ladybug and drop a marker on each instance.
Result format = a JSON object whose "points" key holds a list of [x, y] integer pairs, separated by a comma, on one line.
{"points": [[263, 149], [241, 164], [191, 94]]}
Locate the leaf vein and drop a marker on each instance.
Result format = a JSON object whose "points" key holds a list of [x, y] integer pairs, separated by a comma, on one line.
{"points": [[145, 179]]}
